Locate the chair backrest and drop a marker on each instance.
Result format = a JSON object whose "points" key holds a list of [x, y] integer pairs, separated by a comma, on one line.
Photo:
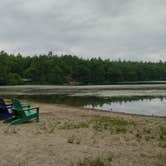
{"points": [[17, 104], [18, 108], [5, 108], [2, 102]]}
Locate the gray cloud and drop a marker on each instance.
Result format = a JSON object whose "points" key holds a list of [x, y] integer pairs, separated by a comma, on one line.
{"points": [[131, 29]]}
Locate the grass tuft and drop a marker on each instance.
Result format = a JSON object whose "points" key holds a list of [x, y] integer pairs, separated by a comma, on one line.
{"points": [[162, 144], [163, 133], [71, 125], [113, 125], [90, 162]]}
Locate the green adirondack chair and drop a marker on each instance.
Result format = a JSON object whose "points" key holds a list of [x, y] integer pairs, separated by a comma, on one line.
{"points": [[23, 113]]}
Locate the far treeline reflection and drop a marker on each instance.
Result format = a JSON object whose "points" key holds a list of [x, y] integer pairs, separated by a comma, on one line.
{"points": [[72, 70], [81, 101]]}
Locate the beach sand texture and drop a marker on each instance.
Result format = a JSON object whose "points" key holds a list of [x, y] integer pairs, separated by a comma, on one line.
{"points": [[67, 136]]}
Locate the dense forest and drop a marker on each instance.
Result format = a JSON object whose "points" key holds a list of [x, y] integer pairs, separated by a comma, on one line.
{"points": [[71, 70]]}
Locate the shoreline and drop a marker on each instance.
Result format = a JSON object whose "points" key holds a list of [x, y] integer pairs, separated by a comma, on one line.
{"points": [[124, 113]]}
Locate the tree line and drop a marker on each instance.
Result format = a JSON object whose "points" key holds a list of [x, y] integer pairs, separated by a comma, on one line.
{"points": [[72, 70]]}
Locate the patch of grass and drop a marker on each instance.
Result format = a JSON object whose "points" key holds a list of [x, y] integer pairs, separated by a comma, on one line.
{"points": [[147, 131], [11, 130], [162, 144], [149, 137], [162, 156], [113, 121], [138, 135], [90, 162], [71, 125], [111, 124], [110, 158], [48, 126], [74, 140], [163, 133], [71, 140], [121, 130]]}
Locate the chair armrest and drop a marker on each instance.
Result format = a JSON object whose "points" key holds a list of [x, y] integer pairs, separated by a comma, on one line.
{"points": [[7, 105], [24, 106], [31, 108]]}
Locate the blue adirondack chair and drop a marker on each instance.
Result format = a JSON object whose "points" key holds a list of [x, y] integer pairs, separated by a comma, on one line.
{"points": [[5, 110]]}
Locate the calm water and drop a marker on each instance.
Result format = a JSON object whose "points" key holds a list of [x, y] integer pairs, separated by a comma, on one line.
{"points": [[134, 105], [143, 105], [155, 106]]}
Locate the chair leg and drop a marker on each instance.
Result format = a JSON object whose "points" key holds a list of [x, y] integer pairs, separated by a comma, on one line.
{"points": [[37, 117], [9, 120], [17, 121]]}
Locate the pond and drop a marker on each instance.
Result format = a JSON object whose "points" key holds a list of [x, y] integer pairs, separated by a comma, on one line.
{"points": [[155, 107], [141, 105], [141, 99]]}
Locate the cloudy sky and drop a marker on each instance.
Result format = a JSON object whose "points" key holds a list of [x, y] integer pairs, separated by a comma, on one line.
{"points": [[125, 29]]}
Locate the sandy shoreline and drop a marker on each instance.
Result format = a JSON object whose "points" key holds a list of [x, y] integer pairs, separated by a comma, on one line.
{"points": [[69, 136]]}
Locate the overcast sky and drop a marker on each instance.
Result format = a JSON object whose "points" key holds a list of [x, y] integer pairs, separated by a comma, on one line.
{"points": [[125, 29]]}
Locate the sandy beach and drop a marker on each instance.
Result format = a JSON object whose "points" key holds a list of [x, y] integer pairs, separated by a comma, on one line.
{"points": [[68, 136]]}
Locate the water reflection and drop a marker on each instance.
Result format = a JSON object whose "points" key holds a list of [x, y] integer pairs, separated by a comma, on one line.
{"points": [[145, 105]]}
